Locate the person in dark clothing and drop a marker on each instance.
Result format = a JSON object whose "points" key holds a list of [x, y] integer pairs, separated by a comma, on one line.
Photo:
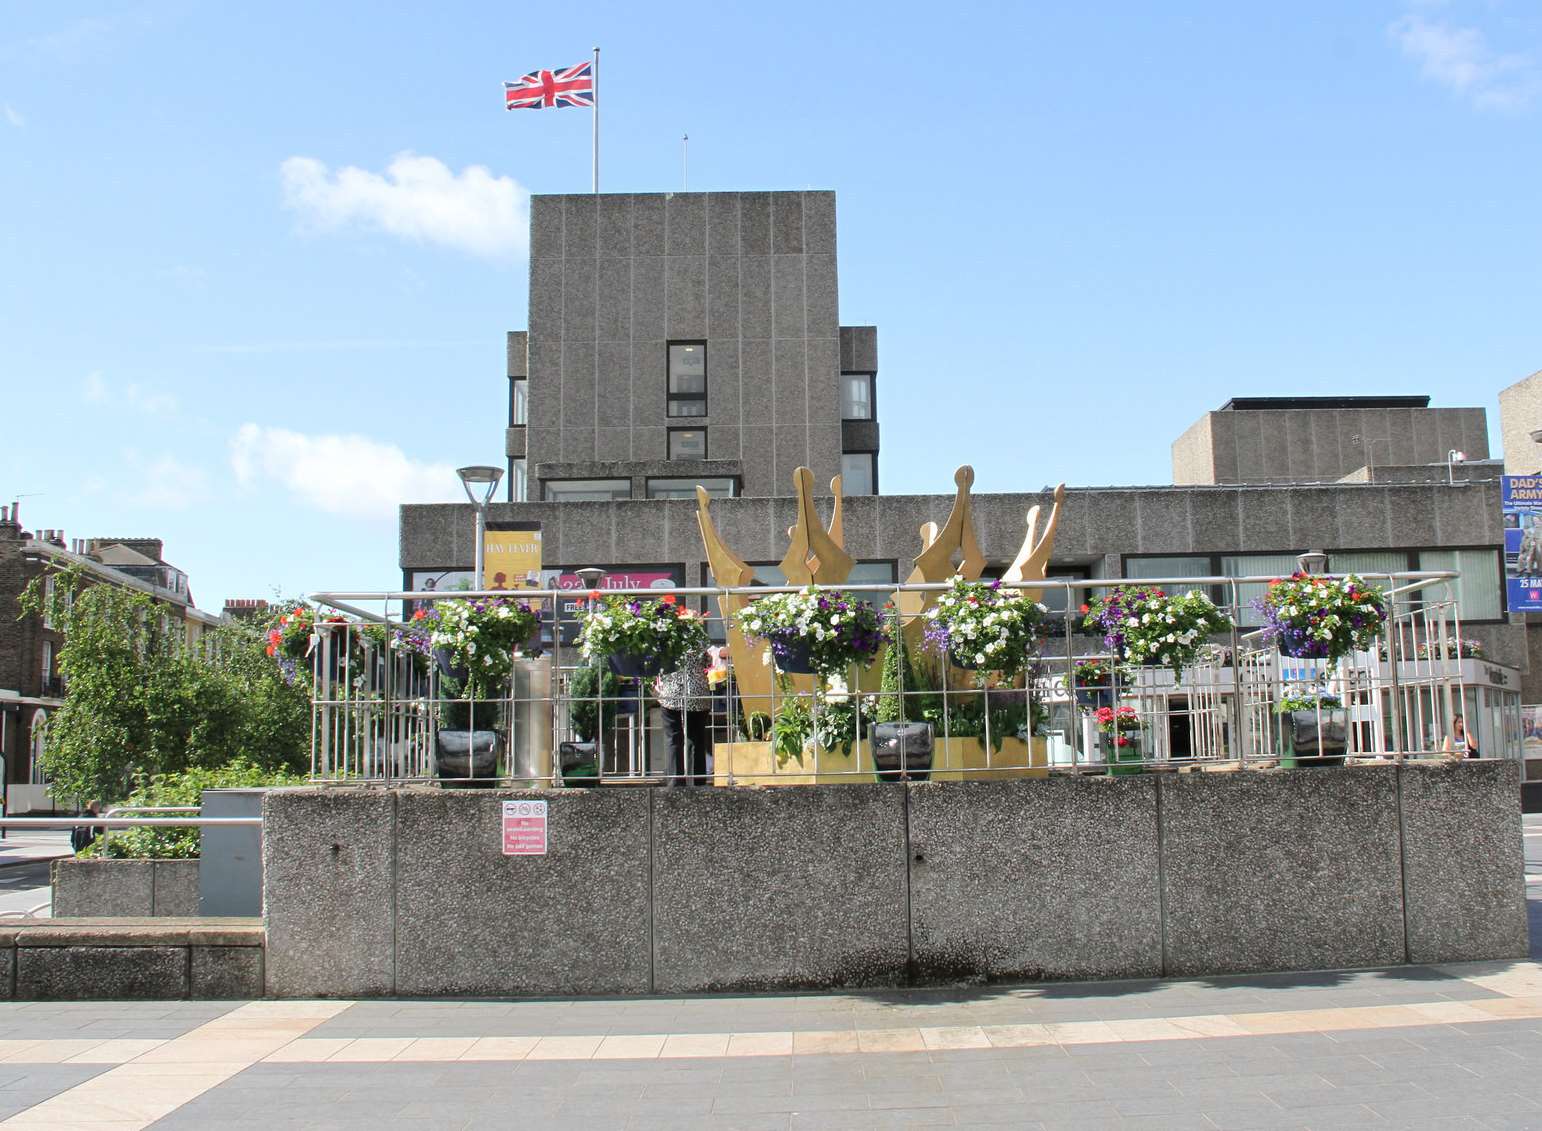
{"points": [[82, 836], [687, 703]]}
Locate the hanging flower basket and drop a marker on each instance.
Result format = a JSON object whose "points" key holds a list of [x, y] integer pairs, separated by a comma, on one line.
{"points": [[824, 630], [1322, 618], [1093, 681], [474, 639], [982, 627], [1147, 628], [640, 636]]}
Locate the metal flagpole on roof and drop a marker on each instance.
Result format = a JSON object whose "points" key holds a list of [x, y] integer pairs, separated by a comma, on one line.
{"points": [[596, 89]]}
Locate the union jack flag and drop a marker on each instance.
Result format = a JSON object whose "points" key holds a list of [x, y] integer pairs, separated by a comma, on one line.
{"points": [[570, 86]]}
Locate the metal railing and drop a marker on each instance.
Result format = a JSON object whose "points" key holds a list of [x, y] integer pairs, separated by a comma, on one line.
{"points": [[379, 712]]}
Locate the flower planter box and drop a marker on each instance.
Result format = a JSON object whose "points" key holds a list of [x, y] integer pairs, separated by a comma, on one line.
{"points": [[1122, 760], [968, 759], [755, 763], [1307, 745]]}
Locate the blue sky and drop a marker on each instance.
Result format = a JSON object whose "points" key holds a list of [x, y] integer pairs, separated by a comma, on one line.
{"points": [[248, 248]]}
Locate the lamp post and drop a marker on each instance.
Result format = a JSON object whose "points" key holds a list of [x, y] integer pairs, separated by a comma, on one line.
{"points": [[480, 481], [1453, 457]]}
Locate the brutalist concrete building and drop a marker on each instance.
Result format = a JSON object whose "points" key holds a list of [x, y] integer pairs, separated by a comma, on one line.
{"points": [[677, 339]]}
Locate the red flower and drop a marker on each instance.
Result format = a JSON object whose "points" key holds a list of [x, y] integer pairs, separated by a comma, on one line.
{"points": [[594, 594], [1084, 608], [668, 598], [271, 650]]}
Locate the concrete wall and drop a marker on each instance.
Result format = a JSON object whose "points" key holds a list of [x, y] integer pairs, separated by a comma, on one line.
{"points": [[615, 277], [1320, 445], [1520, 412], [1099, 524], [110, 888], [375, 893], [163, 959]]}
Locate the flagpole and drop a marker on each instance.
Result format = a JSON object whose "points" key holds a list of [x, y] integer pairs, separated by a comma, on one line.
{"points": [[596, 119]]}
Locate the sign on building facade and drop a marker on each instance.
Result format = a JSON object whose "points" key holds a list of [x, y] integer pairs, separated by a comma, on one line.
{"points": [[1521, 498]]}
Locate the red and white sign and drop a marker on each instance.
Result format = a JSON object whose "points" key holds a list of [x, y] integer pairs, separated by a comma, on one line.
{"points": [[524, 828]]}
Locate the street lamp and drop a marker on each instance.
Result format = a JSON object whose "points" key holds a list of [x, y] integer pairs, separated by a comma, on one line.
{"points": [[1453, 457], [480, 481]]}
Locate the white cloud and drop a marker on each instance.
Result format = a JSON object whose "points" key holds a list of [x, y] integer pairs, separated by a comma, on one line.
{"points": [[161, 482], [13, 115], [417, 198], [1460, 59], [340, 474], [131, 395]]}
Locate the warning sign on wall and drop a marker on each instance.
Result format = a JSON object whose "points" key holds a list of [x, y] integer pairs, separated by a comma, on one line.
{"points": [[524, 828]]}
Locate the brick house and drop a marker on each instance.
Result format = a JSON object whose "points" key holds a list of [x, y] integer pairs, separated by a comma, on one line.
{"points": [[30, 684]]}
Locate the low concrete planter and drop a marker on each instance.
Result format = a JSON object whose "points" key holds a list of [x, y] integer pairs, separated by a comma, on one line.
{"points": [[114, 888], [157, 959], [375, 892]]}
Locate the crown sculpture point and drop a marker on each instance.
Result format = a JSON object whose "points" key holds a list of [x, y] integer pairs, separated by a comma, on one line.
{"points": [[817, 555]]}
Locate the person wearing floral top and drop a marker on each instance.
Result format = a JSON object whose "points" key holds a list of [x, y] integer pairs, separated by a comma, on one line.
{"points": [[687, 702]]}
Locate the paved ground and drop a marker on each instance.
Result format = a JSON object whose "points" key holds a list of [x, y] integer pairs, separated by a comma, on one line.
{"points": [[1446, 1047]]}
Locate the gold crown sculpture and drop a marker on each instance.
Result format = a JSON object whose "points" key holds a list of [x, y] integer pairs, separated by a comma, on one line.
{"points": [[818, 556]]}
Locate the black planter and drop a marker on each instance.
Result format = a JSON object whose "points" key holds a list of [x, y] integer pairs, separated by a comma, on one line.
{"points": [[901, 750], [1314, 748], [448, 667], [794, 657], [633, 666], [468, 757]]}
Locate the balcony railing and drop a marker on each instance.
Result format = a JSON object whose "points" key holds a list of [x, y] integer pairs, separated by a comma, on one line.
{"points": [[377, 713]]}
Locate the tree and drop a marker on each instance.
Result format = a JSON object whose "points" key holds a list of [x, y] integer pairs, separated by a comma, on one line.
{"points": [[142, 700]]}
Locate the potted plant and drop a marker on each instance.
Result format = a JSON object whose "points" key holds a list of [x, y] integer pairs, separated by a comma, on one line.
{"points": [[640, 637], [814, 631], [473, 641], [981, 627], [1454, 649], [1314, 728], [1146, 627], [1323, 618], [1119, 736], [826, 720], [1093, 682]]}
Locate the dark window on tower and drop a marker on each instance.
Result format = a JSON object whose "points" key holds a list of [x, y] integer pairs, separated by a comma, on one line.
{"points": [[687, 379], [687, 443]]}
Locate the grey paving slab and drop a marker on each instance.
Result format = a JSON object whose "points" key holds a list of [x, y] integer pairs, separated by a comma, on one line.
{"points": [[24, 1086]]}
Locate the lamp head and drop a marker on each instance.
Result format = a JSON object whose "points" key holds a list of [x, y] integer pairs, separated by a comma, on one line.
{"points": [[1313, 561], [480, 481]]}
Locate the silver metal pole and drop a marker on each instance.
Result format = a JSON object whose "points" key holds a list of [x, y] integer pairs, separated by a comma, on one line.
{"points": [[481, 540], [596, 85], [685, 152]]}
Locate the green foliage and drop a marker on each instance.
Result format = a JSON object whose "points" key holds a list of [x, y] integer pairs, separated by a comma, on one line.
{"points": [[895, 677], [582, 709], [185, 788], [755, 726], [143, 701], [829, 722]]}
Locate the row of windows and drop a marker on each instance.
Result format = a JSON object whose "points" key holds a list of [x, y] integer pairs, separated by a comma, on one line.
{"points": [[1479, 592], [611, 490], [687, 389]]}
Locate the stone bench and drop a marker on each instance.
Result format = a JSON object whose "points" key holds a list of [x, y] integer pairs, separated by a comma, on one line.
{"points": [[158, 958]]}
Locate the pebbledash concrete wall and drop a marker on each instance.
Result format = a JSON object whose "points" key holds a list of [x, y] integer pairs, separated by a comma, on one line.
{"points": [[110, 887], [124, 959], [406, 892]]}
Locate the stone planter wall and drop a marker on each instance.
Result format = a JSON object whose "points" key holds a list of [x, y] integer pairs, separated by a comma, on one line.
{"points": [[119, 888], [373, 892]]}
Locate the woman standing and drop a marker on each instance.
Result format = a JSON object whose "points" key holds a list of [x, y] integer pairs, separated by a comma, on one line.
{"points": [[687, 703]]}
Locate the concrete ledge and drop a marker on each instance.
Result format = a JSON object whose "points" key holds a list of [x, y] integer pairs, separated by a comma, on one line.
{"points": [[132, 959], [110, 886], [758, 889], [1293, 870], [1026, 880], [1464, 861]]}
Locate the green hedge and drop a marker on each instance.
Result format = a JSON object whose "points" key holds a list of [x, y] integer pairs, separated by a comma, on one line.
{"points": [[185, 788]]}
